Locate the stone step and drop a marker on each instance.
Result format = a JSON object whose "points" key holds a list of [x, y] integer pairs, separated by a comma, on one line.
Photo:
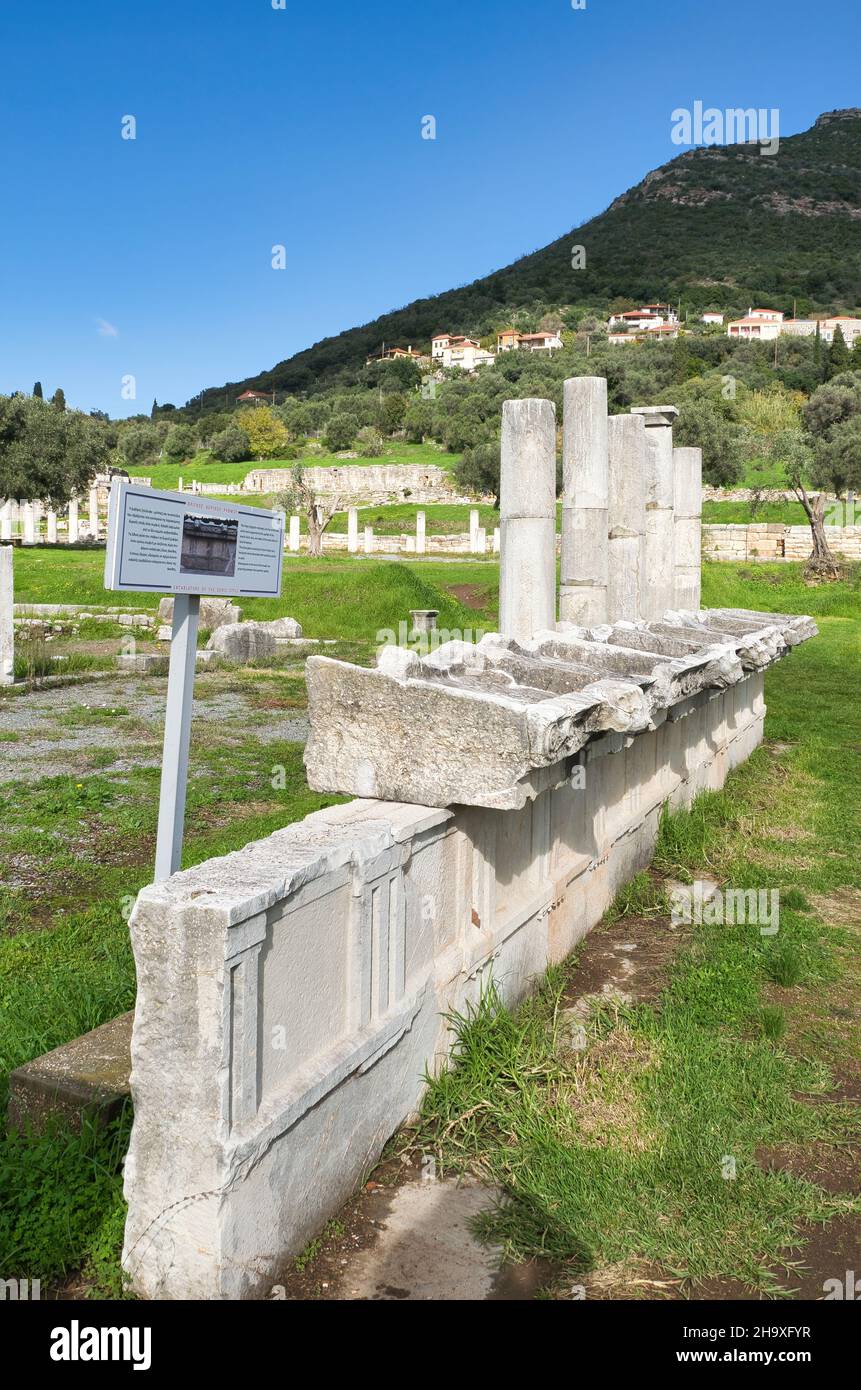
{"points": [[90, 1075]]}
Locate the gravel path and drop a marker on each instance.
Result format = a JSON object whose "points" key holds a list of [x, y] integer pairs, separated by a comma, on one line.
{"points": [[43, 746]]}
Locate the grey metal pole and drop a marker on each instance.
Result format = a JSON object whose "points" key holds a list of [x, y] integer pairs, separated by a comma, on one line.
{"points": [[177, 735]]}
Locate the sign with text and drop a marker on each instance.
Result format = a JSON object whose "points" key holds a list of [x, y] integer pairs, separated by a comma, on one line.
{"points": [[181, 543]]}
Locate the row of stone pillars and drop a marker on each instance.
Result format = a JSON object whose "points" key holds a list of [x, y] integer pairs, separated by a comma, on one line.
{"points": [[24, 519], [631, 514]]}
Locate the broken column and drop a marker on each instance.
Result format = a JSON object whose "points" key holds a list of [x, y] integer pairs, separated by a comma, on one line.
{"points": [[52, 528], [7, 626], [687, 528], [28, 523], [6, 515], [74, 524], [473, 529], [94, 513], [626, 516], [421, 535], [583, 590], [657, 594], [369, 540], [527, 571], [294, 532], [352, 529]]}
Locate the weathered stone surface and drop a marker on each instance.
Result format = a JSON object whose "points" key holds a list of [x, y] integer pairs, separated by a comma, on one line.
{"points": [[89, 1075], [143, 663], [476, 724], [527, 571], [282, 627], [214, 612], [243, 641]]}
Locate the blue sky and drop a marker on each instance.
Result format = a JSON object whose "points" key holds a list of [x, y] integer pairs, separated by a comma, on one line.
{"points": [[301, 126]]}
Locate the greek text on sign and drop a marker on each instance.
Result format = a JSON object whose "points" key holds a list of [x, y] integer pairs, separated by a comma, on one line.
{"points": [[179, 543]]}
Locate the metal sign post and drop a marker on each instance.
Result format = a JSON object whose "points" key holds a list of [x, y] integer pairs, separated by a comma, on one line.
{"points": [[177, 735], [168, 542]]}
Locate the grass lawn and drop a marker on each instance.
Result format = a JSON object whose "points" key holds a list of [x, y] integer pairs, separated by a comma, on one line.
{"points": [[742, 513], [702, 1076]]}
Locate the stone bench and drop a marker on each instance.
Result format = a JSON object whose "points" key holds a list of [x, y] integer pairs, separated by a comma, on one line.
{"points": [[89, 1075]]}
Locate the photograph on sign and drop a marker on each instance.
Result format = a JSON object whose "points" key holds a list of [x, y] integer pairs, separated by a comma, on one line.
{"points": [[173, 542]]}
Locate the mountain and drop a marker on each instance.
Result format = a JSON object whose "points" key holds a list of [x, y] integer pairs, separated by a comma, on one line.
{"points": [[722, 226]]}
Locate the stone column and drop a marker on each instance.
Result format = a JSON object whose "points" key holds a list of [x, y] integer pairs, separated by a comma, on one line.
{"points": [[28, 524], [626, 516], [52, 528], [6, 522], [658, 585], [369, 540], [295, 527], [527, 571], [687, 528], [585, 547], [94, 513], [74, 523], [481, 541], [7, 627], [473, 528], [496, 541], [421, 534], [352, 529]]}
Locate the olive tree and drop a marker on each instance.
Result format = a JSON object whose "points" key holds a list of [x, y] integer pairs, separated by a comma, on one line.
{"points": [[300, 497], [47, 454]]}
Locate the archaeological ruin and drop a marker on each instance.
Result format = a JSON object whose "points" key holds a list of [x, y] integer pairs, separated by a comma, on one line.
{"points": [[293, 995]]}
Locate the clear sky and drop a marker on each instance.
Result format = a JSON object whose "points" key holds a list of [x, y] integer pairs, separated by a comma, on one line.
{"points": [[301, 126]]}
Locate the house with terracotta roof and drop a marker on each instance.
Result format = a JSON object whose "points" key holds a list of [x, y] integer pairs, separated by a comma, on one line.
{"points": [[759, 324], [509, 339], [455, 350], [249, 397], [647, 316]]}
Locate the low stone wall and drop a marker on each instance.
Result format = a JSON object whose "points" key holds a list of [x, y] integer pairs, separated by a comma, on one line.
{"points": [[292, 994], [774, 541], [371, 484]]}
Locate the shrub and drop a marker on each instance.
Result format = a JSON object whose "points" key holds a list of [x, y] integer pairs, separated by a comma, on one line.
{"points": [[370, 443]]}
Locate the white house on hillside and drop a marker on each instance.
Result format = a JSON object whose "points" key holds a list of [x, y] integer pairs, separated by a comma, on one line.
{"points": [[761, 324], [453, 350], [647, 316]]}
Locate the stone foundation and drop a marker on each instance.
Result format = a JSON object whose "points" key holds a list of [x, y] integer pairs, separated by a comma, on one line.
{"points": [[291, 995]]}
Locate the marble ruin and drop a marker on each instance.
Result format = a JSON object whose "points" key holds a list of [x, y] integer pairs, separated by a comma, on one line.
{"points": [[293, 995]]}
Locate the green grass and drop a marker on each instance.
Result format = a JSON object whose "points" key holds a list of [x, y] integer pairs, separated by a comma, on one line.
{"points": [[332, 597], [743, 513], [440, 519]]}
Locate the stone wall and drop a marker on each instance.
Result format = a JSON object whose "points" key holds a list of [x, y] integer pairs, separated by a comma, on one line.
{"points": [[764, 540], [371, 484], [291, 995]]}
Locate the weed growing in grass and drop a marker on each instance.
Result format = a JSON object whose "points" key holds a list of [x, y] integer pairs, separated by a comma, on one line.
{"points": [[62, 1204], [773, 1022], [786, 964]]}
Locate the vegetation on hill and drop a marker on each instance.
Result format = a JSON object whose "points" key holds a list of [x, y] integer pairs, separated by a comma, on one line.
{"points": [[721, 227]]}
